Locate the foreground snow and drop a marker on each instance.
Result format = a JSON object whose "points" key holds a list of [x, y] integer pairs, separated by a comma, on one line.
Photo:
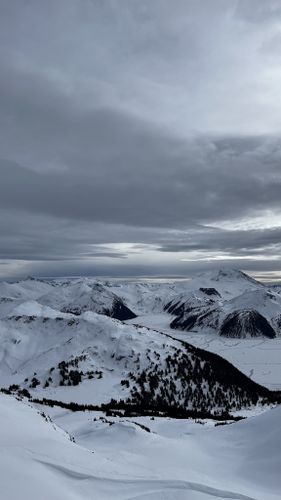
{"points": [[115, 458]]}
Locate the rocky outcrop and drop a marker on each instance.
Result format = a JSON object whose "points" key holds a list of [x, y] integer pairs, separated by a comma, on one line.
{"points": [[246, 323]]}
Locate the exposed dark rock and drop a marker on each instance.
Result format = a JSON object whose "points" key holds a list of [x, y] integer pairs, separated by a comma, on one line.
{"points": [[210, 291], [120, 311], [185, 322], [174, 307], [246, 323], [195, 317]]}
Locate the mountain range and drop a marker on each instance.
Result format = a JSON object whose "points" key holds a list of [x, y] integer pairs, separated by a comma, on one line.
{"points": [[79, 340], [106, 391]]}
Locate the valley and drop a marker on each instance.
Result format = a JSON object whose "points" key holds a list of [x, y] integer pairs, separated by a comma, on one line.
{"points": [[116, 397]]}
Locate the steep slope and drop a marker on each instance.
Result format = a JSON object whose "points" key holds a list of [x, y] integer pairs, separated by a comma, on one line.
{"points": [[208, 309], [12, 294], [28, 289], [228, 282], [87, 295], [34, 452], [92, 358], [195, 309], [246, 323], [143, 297], [146, 297], [75, 296]]}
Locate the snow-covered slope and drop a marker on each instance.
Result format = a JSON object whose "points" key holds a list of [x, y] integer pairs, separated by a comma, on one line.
{"points": [[25, 290], [87, 295], [75, 297], [53, 343], [228, 282], [12, 294], [203, 302], [117, 458], [143, 297], [93, 358], [235, 306], [57, 341], [152, 297]]}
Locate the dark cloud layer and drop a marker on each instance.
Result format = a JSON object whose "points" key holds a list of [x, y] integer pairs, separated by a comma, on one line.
{"points": [[139, 137]]}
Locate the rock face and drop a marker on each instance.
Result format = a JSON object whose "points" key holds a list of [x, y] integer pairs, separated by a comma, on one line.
{"points": [[197, 309], [195, 318], [210, 291], [246, 323], [119, 311]]}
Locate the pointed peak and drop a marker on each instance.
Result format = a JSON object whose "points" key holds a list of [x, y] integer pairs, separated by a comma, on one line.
{"points": [[227, 274]]}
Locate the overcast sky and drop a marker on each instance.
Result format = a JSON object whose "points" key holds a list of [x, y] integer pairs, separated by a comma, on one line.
{"points": [[140, 137]]}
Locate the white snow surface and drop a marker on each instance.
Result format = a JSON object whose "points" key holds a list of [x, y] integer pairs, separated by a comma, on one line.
{"points": [[258, 358], [33, 308], [115, 458]]}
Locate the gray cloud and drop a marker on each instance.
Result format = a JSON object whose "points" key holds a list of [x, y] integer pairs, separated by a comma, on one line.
{"points": [[255, 11], [233, 242], [157, 181], [135, 129]]}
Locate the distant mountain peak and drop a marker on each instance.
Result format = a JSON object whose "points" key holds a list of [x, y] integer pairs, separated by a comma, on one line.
{"points": [[226, 274]]}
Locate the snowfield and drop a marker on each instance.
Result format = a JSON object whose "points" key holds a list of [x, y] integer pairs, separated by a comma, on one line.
{"points": [[116, 458], [87, 341]]}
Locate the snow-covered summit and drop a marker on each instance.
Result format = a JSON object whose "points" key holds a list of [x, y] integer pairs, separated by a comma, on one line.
{"points": [[227, 274], [220, 299], [228, 282]]}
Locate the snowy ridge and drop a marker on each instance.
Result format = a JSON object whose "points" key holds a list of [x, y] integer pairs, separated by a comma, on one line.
{"points": [[93, 358], [66, 296]]}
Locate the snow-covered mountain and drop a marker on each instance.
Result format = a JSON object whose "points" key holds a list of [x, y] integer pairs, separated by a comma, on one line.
{"points": [[244, 323], [98, 393], [145, 297], [66, 296], [213, 300], [87, 295], [229, 282], [92, 359], [58, 341], [230, 303]]}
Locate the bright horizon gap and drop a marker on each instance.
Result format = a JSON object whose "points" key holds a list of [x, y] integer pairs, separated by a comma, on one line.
{"points": [[264, 277]]}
